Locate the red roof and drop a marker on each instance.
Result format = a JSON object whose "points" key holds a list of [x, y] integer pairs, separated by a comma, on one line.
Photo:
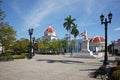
{"points": [[49, 30], [97, 39]]}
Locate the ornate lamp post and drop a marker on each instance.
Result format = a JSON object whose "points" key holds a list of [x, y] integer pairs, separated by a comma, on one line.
{"points": [[33, 46], [30, 33], [106, 24]]}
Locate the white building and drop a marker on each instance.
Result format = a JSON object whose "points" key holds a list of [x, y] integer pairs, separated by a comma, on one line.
{"points": [[96, 44], [50, 33]]}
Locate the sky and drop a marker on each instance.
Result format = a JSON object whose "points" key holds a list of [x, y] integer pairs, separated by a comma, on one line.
{"points": [[38, 14]]}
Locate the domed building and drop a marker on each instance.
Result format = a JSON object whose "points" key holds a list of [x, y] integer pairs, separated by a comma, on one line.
{"points": [[97, 43], [50, 33]]}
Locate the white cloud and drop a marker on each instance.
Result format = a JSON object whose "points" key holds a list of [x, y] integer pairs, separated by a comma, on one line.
{"points": [[41, 11], [35, 17], [117, 29]]}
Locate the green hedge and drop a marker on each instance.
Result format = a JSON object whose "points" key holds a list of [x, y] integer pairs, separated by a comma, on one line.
{"points": [[22, 56], [6, 58], [115, 75], [116, 72]]}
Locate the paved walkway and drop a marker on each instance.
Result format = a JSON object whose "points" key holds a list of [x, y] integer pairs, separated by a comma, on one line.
{"points": [[49, 67]]}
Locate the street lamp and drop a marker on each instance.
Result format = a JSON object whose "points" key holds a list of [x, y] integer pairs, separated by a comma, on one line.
{"points": [[106, 24], [33, 46], [30, 33]]}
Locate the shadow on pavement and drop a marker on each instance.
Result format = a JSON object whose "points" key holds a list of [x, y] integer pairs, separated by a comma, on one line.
{"points": [[91, 73], [88, 70], [110, 61], [59, 61]]}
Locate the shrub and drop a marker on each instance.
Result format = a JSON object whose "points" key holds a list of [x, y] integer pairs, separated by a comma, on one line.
{"points": [[6, 58], [115, 75], [22, 56]]}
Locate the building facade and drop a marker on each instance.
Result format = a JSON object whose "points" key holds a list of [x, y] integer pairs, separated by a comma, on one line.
{"points": [[96, 44]]}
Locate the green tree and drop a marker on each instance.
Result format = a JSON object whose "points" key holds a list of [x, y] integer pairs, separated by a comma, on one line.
{"points": [[75, 33], [7, 35], [24, 44], [64, 44], [2, 14], [46, 46], [21, 45], [68, 24], [56, 45], [43, 45], [16, 46]]}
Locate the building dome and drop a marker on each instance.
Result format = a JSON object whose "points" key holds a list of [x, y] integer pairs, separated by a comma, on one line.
{"points": [[49, 31], [97, 39]]}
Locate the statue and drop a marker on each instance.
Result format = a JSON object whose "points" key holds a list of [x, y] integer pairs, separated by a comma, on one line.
{"points": [[85, 36]]}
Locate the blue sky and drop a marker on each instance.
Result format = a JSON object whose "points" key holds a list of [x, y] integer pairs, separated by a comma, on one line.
{"points": [[38, 14]]}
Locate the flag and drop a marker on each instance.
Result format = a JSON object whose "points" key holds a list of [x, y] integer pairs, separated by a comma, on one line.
{"points": [[83, 33]]}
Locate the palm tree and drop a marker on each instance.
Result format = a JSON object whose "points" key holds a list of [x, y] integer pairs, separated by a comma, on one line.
{"points": [[75, 32], [69, 22]]}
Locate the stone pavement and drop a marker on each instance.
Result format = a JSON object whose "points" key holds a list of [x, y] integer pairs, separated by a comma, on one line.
{"points": [[50, 67]]}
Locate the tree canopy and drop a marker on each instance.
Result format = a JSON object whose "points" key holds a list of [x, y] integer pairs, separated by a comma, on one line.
{"points": [[45, 45], [71, 27], [7, 35], [7, 32], [2, 14], [75, 31], [21, 45], [69, 22]]}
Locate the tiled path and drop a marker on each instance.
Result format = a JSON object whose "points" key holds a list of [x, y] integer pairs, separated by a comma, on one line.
{"points": [[50, 67]]}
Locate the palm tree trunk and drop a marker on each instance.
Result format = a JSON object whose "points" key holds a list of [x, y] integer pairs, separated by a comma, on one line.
{"points": [[70, 46], [69, 41], [74, 44]]}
